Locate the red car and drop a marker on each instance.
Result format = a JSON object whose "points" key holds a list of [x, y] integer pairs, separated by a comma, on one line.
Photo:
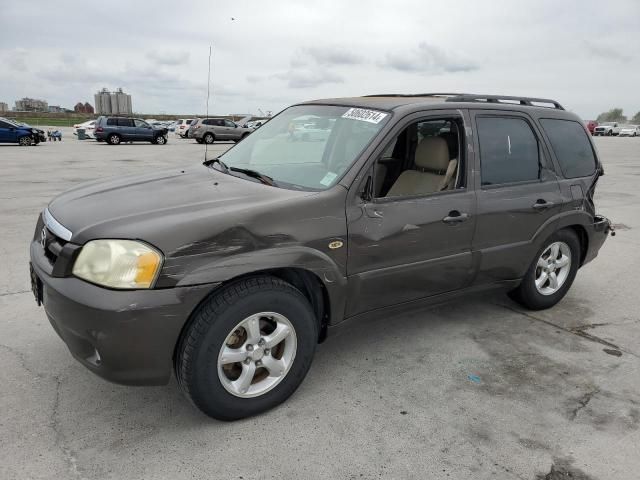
{"points": [[591, 125]]}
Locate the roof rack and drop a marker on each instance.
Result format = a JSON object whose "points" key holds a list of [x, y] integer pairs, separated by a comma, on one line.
{"points": [[409, 95], [528, 101]]}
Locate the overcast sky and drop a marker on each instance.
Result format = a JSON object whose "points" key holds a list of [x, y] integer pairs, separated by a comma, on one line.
{"points": [[585, 54]]}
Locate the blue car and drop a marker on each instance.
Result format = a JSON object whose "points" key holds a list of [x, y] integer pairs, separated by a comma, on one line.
{"points": [[12, 132]]}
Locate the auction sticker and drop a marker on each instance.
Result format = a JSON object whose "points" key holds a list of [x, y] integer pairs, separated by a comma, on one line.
{"points": [[364, 115]]}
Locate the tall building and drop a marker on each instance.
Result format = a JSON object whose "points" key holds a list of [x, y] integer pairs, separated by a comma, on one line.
{"points": [[4, 107], [27, 104], [113, 103]]}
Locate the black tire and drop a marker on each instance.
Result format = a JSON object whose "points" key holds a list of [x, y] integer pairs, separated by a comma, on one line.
{"points": [[197, 352], [114, 139], [25, 141], [160, 140], [209, 138], [609, 133], [528, 295]]}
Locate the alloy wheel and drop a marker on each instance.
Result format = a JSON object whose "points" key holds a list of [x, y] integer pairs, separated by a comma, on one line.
{"points": [[257, 354], [553, 268]]}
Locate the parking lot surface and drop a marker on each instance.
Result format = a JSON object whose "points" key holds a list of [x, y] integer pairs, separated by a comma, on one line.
{"points": [[478, 388]]}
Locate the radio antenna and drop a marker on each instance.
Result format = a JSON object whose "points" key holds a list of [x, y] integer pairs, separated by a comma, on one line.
{"points": [[208, 94]]}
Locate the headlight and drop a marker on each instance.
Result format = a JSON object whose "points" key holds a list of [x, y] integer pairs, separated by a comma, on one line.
{"points": [[118, 263]]}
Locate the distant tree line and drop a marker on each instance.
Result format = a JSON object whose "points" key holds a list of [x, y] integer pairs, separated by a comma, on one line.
{"points": [[616, 115]]}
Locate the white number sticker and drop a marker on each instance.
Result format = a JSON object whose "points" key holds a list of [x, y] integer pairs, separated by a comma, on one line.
{"points": [[364, 115], [328, 178]]}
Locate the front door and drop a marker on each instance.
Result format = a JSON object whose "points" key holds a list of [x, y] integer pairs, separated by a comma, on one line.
{"points": [[517, 190], [412, 239], [144, 132]]}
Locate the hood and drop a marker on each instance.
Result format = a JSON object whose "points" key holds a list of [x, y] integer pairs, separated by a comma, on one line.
{"points": [[164, 208]]}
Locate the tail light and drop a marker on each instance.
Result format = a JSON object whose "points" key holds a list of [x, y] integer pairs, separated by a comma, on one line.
{"points": [[99, 129]]}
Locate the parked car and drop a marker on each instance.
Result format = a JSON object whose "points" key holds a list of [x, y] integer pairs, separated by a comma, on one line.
{"points": [[230, 272], [182, 127], [88, 126], [629, 131], [607, 129], [22, 134], [209, 130], [591, 125], [255, 123], [115, 130]]}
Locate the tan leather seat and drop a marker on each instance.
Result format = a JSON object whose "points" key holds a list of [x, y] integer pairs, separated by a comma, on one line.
{"points": [[432, 158]]}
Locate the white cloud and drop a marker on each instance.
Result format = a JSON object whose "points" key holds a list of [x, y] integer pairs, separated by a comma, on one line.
{"points": [[270, 57]]}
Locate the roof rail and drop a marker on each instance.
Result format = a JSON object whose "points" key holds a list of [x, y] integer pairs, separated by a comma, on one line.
{"points": [[409, 95], [528, 101]]}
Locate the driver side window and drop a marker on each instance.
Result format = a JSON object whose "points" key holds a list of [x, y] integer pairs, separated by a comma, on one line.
{"points": [[425, 158], [140, 123]]}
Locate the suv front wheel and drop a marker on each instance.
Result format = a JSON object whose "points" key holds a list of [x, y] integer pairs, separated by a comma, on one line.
{"points": [[160, 140], [247, 349], [551, 273]]}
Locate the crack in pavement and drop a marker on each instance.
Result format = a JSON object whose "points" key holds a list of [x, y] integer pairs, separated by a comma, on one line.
{"points": [[583, 401], [6, 294], [22, 358], [54, 420], [69, 455], [578, 331]]}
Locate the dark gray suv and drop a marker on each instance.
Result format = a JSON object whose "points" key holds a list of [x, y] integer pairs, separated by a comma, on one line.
{"points": [[115, 130], [229, 273]]}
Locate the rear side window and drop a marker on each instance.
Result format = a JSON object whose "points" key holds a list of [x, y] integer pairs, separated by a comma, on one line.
{"points": [[112, 122], [125, 122], [508, 151], [571, 146]]}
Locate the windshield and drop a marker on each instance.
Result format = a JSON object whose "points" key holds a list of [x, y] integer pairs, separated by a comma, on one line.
{"points": [[307, 147]]}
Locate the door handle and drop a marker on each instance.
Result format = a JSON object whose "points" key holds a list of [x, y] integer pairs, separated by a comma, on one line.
{"points": [[455, 217], [372, 211], [542, 205]]}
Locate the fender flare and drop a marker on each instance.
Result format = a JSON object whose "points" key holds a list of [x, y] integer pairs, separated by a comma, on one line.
{"points": [[225, 269]]}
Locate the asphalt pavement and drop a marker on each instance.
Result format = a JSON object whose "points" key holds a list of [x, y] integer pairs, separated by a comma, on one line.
{"points": [[474, 389]]}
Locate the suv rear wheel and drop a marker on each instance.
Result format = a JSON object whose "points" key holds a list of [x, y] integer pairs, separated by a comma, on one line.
{"points": [[113, 139], [247, 349], [551, 273], [209, 138]]}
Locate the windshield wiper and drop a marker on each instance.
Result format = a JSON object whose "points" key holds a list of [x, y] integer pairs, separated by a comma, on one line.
{"points": [[208, 163], [267, 180]]}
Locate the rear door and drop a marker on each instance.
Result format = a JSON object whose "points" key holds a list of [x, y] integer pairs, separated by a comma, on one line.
{"points": [[7, 132], [517, 192], [127, 129]]}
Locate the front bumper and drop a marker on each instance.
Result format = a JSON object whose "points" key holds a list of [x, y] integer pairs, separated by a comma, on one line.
{"points": [[124, 336]]}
